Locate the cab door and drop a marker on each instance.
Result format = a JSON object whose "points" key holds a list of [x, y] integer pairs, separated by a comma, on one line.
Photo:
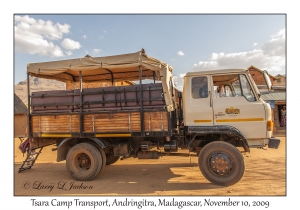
{"points": [[198, 109], [238, 106]]}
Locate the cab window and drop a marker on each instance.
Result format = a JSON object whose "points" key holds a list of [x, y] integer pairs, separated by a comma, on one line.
{"points": [[223, 85], [233, 85], [199, 87], [223, 91], [237, 87], [246, 88]]}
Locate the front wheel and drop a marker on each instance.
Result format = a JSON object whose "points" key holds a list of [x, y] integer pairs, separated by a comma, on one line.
{"points": [[221, 163], [84, 161]]}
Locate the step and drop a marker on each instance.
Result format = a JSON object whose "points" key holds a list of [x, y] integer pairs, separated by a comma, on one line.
{"points": [[24, 168], [34, 153], [31, 159]]}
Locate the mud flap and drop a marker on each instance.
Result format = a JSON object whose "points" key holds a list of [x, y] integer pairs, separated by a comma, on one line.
{"points": [[274, 143]]}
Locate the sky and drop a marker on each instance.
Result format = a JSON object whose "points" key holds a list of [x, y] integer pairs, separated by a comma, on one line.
{"points": [[187, 42]]}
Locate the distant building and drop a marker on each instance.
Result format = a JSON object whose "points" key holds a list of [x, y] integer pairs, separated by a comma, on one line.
{"points": [[258, 77], [276, 98], [281, 80], [20, 117]]}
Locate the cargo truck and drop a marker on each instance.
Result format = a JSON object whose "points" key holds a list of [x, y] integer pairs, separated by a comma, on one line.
{"points": [[218, 115]]}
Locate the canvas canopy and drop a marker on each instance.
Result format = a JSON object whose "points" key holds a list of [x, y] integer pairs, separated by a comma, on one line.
{"points": [[110, 68], [104, 69]]}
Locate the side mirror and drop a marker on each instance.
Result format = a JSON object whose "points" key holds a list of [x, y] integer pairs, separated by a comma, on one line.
{"points": [[267, 80]]}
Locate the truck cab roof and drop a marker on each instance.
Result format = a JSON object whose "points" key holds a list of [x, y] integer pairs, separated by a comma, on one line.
{"points": [[210, 72]]}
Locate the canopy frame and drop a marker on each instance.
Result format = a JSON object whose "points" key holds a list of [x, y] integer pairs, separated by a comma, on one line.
{"points": [[135, 66]]}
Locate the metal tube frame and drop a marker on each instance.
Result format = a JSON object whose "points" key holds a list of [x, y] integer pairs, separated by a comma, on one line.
{"points": [[141, 104], [28, 109], [81, 99]]}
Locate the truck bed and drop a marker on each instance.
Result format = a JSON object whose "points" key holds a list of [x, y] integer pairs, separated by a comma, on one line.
{"points": [[100, 112]]}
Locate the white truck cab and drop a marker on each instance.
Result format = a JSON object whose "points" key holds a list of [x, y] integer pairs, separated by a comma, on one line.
{"points": [[227, 98], [223, 110]]}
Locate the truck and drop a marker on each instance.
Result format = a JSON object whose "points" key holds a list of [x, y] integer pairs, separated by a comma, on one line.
{"points": [[218, 115]]}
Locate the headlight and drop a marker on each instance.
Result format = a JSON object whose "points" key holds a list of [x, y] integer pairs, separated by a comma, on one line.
{"points": [[270, 125]]}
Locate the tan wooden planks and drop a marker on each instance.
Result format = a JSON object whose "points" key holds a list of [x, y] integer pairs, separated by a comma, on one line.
{"points": [[55, 124], [99, 123], [156, 121], [113, 122]]}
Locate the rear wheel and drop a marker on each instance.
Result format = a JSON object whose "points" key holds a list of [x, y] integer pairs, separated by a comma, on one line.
{"points": [[103, 157], [84, 161], [221, 163]]}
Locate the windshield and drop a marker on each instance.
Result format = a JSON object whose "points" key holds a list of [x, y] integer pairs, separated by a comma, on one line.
{"points": [[253, 83]]}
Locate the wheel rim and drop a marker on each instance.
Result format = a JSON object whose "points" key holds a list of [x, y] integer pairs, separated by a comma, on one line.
{"points": [[220, 164], [83, 162]]}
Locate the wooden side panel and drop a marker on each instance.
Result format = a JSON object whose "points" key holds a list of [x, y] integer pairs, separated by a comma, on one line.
{"points": [[101, 123], [55, 124], [113, 122], [135, 122], [156, 121]]}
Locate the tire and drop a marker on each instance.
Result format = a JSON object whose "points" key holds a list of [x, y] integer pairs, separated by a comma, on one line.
{"points": [[104, 159], [221, 163], [112, 160], [84, 161], [102, 152]]}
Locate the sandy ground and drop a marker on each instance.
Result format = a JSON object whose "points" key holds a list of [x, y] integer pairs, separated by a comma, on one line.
{"points": [[265, 174]]}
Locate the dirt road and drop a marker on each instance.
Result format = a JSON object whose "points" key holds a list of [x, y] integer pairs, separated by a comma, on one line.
{"points": [[265, 174]]}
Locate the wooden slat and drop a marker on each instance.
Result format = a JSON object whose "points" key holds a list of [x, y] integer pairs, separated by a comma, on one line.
{"points": [[156, 121], [115, 122], [55, 124]]}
